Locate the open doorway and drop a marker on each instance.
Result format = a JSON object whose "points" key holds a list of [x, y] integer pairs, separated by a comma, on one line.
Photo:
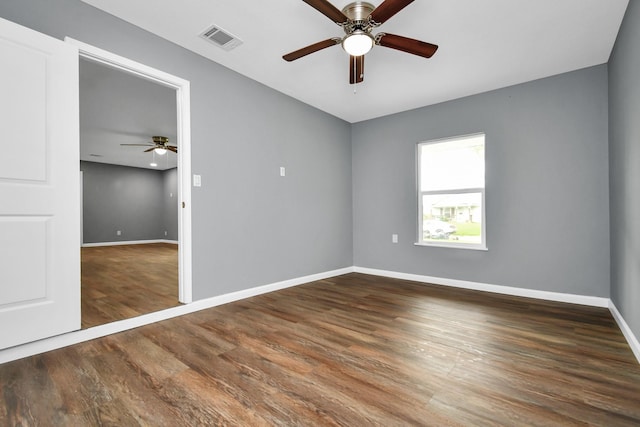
{"points": [[136, 218]]}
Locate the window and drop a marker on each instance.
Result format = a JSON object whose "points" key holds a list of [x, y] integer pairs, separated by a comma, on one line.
{"points": [[451, 208]]}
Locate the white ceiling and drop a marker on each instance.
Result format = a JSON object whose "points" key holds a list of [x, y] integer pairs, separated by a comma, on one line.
{"points": [[119, 108], [484, 45]]}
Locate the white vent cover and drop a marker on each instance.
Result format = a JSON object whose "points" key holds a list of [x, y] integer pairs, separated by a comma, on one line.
{"points": [[221, 38]]}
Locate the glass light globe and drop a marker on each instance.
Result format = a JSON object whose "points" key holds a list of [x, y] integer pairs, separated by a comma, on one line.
{"points": [[160, 151], [358, 43]]}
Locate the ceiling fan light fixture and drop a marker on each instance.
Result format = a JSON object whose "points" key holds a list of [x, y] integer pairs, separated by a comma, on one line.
{"points": [[358, 43], [160, 151]]}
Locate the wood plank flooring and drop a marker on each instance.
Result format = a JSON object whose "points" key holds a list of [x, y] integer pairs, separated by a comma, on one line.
{"points": [[354, 350], [121, 282]]}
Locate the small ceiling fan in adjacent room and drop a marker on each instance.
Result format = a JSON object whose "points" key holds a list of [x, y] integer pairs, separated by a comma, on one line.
{"points": [[358, 19], [160, 145]]}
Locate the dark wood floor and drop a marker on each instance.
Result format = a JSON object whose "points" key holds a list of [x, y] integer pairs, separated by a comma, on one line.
{"points": [[355, 350], [121, 282]]}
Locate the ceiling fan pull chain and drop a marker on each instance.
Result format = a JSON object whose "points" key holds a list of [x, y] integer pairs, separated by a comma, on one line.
{"points": [[355, 84]]}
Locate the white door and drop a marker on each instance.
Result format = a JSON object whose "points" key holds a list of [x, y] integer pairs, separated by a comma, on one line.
{"points": [[39, 194]]}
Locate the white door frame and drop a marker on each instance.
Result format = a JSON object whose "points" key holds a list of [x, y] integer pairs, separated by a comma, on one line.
{"points": [[183, 104], [81, 208]]}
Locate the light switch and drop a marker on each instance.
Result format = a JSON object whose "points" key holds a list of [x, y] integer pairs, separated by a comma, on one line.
{"points": [[282, 171], [197, 181], [394, 238]]}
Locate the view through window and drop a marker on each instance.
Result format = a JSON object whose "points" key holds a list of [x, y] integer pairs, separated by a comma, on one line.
{"points": [[451, 192]]}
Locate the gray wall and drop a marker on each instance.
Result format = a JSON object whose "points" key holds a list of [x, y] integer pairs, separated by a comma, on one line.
{"points": [[546, 186], [624, 167], [135, 201], [250, 226]]}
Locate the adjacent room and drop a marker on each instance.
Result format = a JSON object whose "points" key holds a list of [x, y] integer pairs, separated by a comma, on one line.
{"points": [[129, 195], [445, 236]]}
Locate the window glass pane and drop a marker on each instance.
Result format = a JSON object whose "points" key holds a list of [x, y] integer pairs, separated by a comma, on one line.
{"points": [[452, 165], [455, 218]]}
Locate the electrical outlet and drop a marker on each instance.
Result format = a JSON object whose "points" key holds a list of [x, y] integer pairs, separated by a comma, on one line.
{"points": [[118, 233], [165, 233]]}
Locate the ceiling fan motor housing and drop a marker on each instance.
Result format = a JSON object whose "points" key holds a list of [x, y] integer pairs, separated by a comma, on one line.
{"points": [[358, 13], [160, 140]]}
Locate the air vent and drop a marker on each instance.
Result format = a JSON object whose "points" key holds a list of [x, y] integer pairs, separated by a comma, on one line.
{"points": [[221, 38]]}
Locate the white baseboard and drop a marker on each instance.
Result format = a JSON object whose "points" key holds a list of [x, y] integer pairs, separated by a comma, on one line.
{"points": [[172, 242], [626, 330], [248, 293], [77, 337], [130, 242], [497, 289]]}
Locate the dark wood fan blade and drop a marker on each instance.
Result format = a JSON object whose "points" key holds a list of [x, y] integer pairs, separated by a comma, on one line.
{"points": [[387, 9], [413, 46], [172, 148], [328, 10], [138, 145], [150, 149], [311, 49], [356, 69]]}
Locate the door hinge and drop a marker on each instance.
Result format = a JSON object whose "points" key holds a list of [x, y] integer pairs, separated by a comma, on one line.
{"points": [[183, 205]]}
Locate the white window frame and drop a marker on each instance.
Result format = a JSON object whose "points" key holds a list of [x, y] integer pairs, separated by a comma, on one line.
{"points": [[482, 246]]}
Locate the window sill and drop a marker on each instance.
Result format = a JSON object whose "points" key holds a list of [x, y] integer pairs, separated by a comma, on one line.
{"points": [[453, 246]]}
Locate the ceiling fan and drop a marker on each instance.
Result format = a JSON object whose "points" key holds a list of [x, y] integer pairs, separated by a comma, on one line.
{"points": [[160, 145], [358, 19]]}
